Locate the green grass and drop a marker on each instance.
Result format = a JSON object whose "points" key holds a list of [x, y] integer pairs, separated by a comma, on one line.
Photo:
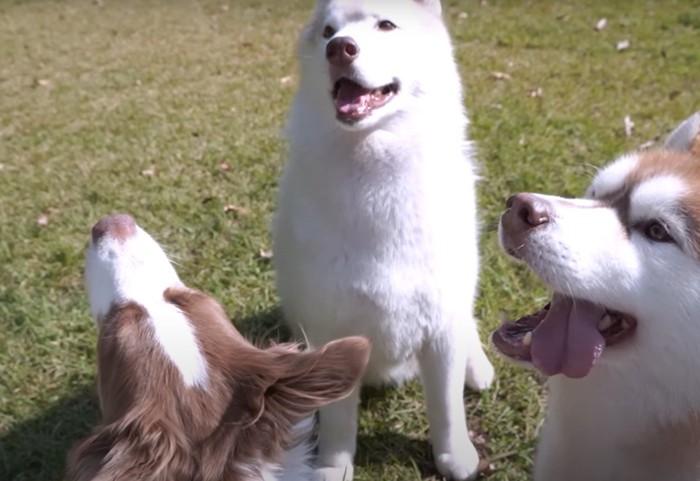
{"points": [[133, 106]]}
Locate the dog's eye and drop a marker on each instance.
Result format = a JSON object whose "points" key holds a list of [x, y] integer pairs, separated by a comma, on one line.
{"points": [[328, 32], [386, 25], [657, 231]]}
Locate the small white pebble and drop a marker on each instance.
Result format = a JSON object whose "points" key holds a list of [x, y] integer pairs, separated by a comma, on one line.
{"points": [[629, 126], [623, 45]]}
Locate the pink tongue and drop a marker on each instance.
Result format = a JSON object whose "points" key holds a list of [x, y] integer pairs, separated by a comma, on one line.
{"points": [[567, 341], [352, 98]]}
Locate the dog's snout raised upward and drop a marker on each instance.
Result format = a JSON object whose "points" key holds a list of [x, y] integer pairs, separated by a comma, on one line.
{"points": [[342, 51], [118, 226]]}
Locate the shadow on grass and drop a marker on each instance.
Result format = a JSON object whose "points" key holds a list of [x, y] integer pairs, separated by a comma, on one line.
{"points": [[265, 326], [382, 447], [35, 450]]}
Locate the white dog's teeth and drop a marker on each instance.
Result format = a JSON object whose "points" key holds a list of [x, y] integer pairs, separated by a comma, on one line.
{"points": [[527, 339], [605, 323]]}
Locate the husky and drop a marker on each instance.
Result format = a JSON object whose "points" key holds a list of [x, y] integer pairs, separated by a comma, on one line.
{"points": [[619, 339], [376, 227]]}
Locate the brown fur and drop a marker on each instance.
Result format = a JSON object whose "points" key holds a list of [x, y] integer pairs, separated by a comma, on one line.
{"points": [[155, 428], [684, 165]]}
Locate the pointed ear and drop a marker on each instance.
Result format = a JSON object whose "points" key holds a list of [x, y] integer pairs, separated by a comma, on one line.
{"points": [[433, 5], [316, 378], [686, 137]]}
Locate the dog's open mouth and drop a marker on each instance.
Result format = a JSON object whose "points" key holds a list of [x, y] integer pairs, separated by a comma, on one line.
{"points": [[567, 336], [354, 102]]}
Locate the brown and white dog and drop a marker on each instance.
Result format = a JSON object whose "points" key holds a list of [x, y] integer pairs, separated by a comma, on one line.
{"points": [[620, 339], [184, 397]]}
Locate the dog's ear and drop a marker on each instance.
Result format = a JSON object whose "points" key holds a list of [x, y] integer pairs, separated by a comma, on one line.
{"points": [[686, 137], [315, 378], [433, 5]]}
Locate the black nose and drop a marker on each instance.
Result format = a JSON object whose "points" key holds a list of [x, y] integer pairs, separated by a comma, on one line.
{"points": [[119, 226], [341, 51], [526, 211]]}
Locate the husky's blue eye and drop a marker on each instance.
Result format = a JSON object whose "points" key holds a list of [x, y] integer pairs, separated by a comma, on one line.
{"points": [[328, 32], [657, 231], [386, 25]]}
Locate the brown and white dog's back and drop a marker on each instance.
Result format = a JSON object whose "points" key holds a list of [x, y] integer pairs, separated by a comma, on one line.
{"points": [[620, 339], [183, 395]]}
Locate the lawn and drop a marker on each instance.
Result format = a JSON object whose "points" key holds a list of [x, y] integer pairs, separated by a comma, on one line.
{"points": [[172, 111]]}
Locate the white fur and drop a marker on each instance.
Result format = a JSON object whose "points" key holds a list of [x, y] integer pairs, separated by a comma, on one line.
{"points": [[634, 417], [296, 464], [376, 230], [612, 176], [137, 270]]}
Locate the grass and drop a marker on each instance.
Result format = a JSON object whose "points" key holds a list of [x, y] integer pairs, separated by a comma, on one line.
{"points": [[134, 106]]}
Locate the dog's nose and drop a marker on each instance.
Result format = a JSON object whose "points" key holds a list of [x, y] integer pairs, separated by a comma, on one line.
{"points": [[118, 226], [342, 51], [524, 213]]}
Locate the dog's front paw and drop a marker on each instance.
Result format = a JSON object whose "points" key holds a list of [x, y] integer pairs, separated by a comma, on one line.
{"points": [[480, 372], [459, 467], [343, 473]]}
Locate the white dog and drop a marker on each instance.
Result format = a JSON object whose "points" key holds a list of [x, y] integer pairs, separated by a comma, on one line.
{"points": [[376, 230], [620, 337]]}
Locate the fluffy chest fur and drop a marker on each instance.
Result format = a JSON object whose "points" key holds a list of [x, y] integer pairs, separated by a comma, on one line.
{"points": [[378, 235]]}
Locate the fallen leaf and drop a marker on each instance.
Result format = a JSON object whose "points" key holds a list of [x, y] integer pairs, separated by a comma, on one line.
{"points": [[462, 15], [535, 92], [601, 24], [623, 45], [500, 76], [150, 172], [42, 82], [629, 126], [266, 254], [649, 143], [224, 8], [235, 208], [43, 220], [224, 166], [285, 80], [2, 167]]}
